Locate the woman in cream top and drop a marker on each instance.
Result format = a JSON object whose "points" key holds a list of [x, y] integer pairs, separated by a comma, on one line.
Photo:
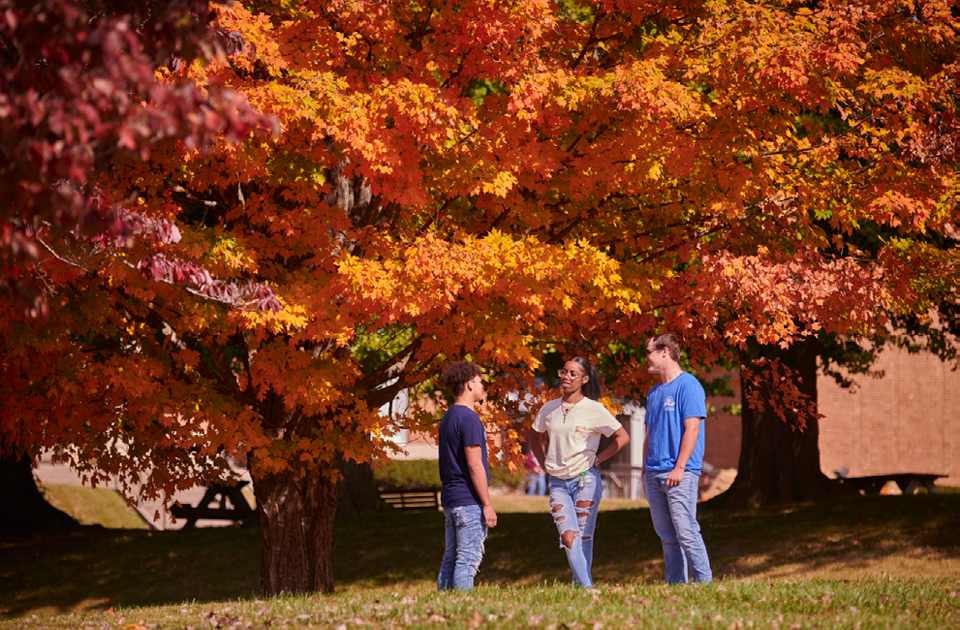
{"points": [[574, 423]]}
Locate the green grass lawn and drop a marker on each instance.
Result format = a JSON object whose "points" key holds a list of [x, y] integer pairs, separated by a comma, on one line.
{"points": [[861, 562], [93, 506]]}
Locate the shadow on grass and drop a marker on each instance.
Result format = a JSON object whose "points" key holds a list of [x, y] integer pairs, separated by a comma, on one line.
{"points": [[841, 535], [97, 568]]}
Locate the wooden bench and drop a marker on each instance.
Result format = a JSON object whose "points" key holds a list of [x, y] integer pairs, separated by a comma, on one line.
{"points": [[241, 512], [908, 483], [425, 499]]}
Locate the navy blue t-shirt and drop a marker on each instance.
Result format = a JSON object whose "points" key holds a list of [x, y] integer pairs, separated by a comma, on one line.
{"points": [[460, 427]]}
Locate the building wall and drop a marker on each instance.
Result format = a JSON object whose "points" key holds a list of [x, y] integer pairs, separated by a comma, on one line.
{"points": [[723, 428], [907, 421]]}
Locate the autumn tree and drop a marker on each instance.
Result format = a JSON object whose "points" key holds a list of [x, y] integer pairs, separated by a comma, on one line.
{"points": [[78, 87], [489, 180]]}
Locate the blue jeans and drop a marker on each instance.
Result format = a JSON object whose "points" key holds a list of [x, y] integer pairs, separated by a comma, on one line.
{"points": [[465, 533], [574, 504], [674, 513], [538, 484]]}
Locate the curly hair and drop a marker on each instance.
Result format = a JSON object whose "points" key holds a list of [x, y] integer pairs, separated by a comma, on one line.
{"points": [[458, 374], [667, 341]]}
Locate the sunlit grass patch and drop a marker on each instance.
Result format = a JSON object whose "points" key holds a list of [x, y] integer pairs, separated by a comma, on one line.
{"points": [[93, 506], [732, 605]]}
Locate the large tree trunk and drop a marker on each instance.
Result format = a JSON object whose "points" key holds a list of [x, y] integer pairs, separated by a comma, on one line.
{"points": [[357, 491], [779, 461], [296, 512], [24, 508]]}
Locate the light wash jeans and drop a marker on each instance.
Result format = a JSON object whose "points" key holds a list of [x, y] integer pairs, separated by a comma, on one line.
{"points": [[674, 513], [574, 504], [465, 533], [538, 484]]}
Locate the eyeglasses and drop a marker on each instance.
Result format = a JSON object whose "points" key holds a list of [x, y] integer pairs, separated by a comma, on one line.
{"points": [[649, 351], [571, 373]]}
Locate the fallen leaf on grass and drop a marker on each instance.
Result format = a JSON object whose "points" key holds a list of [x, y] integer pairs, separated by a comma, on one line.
{"points": [[476, 619], [435, 618], [534, 620]]}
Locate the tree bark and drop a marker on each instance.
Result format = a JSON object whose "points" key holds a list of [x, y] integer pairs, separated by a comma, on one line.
{"points": [[779, 461], [296, 510], [357, 490], [24, 509]]}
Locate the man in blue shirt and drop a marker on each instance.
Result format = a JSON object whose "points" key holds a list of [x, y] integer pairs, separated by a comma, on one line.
{"points": [[464, 475], [676, 410]]}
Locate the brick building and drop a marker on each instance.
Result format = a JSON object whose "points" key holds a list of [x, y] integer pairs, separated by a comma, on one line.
{"points": [[908, 421]]}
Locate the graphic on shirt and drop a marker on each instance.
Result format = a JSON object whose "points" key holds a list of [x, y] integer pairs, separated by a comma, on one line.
{"points": [[669, 404]]}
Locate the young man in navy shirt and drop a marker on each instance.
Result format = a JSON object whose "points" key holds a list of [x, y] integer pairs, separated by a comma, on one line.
{"points": [[676, 410], [465, 476]]}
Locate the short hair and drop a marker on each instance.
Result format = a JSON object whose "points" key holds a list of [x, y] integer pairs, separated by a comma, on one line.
{"points": [[458, 374], [667, 341]]}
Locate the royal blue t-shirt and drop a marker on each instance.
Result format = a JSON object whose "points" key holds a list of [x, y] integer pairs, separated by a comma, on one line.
{"points": [[668, 404], [459, 428]]}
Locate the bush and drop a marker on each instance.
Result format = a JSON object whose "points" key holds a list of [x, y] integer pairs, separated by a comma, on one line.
{"points": [[422, 474], [501, 477], [408, 474]]}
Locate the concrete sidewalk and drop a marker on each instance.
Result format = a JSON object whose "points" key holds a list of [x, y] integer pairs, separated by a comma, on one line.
{"points": [[62, 474]]}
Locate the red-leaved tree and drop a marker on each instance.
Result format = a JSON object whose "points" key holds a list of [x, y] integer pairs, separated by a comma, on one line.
{"points": [[489, 180]]}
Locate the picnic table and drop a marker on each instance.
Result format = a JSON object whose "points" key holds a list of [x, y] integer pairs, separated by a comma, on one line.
{"points": [[908, 483], [241, 512]]}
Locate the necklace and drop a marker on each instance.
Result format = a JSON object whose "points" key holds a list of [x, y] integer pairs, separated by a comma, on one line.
{"points": [[565, 409]]}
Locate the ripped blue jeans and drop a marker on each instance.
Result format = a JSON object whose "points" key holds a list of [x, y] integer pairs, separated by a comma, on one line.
{"points": [[574, 504], [465, 533]]}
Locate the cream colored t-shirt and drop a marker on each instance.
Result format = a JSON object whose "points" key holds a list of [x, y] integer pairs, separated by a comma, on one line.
{"points": [[574, 440]]}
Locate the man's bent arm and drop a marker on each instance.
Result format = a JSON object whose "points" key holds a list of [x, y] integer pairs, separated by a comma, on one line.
{"points": [[478, 475], [691, 429]]}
